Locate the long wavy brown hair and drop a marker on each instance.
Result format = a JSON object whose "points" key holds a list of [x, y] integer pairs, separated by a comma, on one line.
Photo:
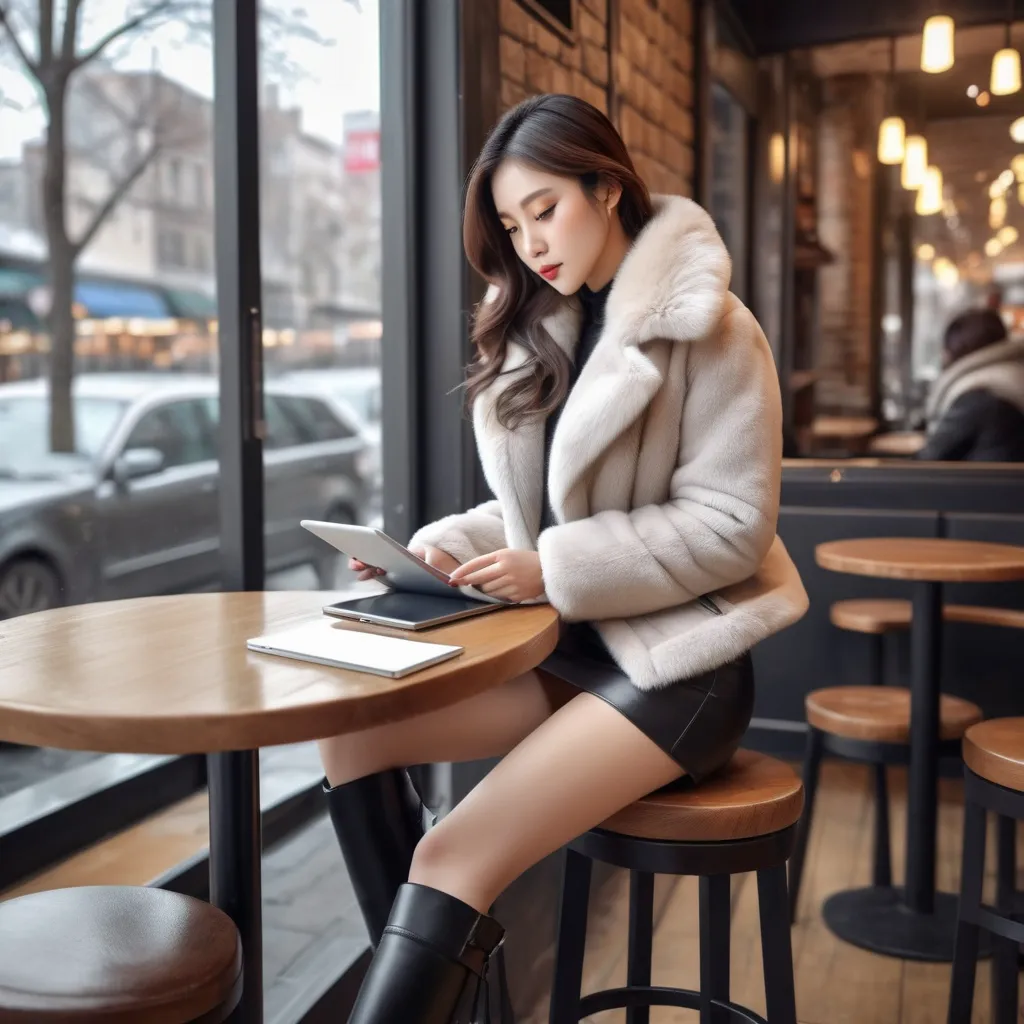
{"points": [[561, 135]]}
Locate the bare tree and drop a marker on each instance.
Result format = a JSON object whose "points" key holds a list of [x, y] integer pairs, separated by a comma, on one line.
{"points": [[46, 37]]}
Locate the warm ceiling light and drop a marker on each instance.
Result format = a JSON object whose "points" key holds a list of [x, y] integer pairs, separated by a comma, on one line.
{"points": [[929, 196], [1020, 193], [983, 99], [972, 91], [937, 44], [996, 189], [1005, 73], [925, 252], [997, 212], [892, 133], [915, 161], [1017, 166], [1006, 178], [1008, 235], [1017, 130], [993, 247], [777, 157]]}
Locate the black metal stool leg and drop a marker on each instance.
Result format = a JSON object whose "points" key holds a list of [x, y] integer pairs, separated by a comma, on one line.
{"points": [[572, 937], [715, 911], [965, 949], [883, 861], [776, 950], [1004, 951], [812, 769], [641, 939]]}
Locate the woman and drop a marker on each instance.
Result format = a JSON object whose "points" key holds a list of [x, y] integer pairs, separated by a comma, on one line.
{"points": [[976, 408], [627, 415]]}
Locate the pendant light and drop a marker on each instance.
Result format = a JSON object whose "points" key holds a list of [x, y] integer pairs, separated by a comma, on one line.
{"points": [[937, 44], [1017, 166], [915, 162], [1006, 64], [997, 213], [1017, 130], [929, 196], [892, 132]]}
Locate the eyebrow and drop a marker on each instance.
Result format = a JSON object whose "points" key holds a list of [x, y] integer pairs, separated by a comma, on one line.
{"points": [[529, 199]]}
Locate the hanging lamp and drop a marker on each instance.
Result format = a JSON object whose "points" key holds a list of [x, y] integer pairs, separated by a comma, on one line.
{"points": [[937, 44], [1006, 64], [892, 132]]}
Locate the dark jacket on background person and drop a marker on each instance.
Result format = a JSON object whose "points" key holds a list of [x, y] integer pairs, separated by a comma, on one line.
{"points": [[976, 408]]}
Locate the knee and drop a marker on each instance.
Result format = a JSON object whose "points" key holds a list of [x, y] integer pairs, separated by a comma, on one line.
{"points": [[445, 859], [352, 756]]}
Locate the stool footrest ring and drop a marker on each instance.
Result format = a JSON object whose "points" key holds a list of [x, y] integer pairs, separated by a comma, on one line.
{"points": [[657, 995]]}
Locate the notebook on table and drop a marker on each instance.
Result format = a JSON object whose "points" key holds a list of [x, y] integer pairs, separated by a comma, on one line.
{"points": [[324, 643]]}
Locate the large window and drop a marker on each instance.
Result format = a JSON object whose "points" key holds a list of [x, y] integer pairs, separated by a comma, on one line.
{"points": [[108, 342], [320, 221]]}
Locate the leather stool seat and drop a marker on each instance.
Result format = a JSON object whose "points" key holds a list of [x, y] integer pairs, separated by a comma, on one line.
{"points": [[117, 953]]}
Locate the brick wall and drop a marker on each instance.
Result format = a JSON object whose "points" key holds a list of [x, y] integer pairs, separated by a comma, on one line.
{"points": [[847, 166], [631, 58]]}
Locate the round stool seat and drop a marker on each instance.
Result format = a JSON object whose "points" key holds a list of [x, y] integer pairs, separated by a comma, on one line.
{"points": [[117, 953], [995, 751], [753, 795], [871, 616], [881, 714]]}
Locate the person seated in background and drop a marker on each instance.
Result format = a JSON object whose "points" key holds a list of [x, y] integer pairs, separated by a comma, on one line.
{"points": [[976, 407]]}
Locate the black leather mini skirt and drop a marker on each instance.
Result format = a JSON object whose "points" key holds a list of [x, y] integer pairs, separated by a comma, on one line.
{"points": [[698, 722]]}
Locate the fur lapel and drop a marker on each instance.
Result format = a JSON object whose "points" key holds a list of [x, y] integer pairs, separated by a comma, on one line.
{"points": [[672, 285]]}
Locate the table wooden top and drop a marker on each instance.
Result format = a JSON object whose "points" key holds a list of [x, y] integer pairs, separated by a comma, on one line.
{"points": [[173, 675], [932, 559]]}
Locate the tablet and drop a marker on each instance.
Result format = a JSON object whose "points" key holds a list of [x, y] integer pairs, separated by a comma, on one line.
{"points": [[405, 610], [402, 569]]}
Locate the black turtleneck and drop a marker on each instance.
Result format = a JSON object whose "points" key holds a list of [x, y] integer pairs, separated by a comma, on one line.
{"points": [[593, 304], [579, 638]]}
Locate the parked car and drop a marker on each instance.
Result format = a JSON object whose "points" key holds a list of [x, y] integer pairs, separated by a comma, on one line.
{"points": [[358, 391], [135, 510]]}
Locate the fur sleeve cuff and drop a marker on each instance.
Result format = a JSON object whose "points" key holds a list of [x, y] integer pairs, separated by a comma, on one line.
{"points": [[465, 535]]}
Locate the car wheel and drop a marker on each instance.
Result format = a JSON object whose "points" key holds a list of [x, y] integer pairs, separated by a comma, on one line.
{"points": [[28, 585], [327, 565]]}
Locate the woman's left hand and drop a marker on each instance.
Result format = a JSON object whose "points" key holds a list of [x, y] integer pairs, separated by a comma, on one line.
{"points": [[508, 574]]}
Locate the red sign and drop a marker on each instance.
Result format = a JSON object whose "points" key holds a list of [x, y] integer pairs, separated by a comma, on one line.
{"points": [[362, 150]]}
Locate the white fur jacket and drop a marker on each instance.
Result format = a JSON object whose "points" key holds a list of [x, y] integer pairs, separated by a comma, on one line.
{"points": [[665, 466]]}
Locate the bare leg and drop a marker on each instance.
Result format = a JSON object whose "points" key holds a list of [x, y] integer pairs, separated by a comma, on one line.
{"points": [[487, 725], [567, 775]]}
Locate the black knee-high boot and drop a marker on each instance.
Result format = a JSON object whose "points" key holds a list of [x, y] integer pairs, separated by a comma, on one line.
{"points": [[430, 963], [378, 822]]}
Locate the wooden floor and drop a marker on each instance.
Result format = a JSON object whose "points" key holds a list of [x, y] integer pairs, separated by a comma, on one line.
{"points": [[835, 983]]}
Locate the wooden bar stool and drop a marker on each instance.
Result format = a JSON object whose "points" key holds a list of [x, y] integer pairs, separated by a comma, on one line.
{"points": [[993, 781], [870, 724], [741, 819], [123, 954]]}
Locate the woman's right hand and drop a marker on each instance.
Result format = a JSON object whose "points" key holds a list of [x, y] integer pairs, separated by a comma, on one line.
{"points": [[432, 556], [366, 572]]}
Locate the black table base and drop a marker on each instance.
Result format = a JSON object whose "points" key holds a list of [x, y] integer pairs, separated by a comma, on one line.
{"points": [[878, 919], [235, 869]]}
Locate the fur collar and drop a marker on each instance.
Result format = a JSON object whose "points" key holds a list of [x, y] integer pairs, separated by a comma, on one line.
{"points": [[673, 286], [998, 368]]}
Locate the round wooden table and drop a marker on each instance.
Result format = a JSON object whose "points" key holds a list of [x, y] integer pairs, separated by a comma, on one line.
{"points": [[173, 675], [915, 922]]}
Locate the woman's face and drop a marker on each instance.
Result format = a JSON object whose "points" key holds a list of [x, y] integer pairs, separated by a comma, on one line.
{"points": [[558, 230]]}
